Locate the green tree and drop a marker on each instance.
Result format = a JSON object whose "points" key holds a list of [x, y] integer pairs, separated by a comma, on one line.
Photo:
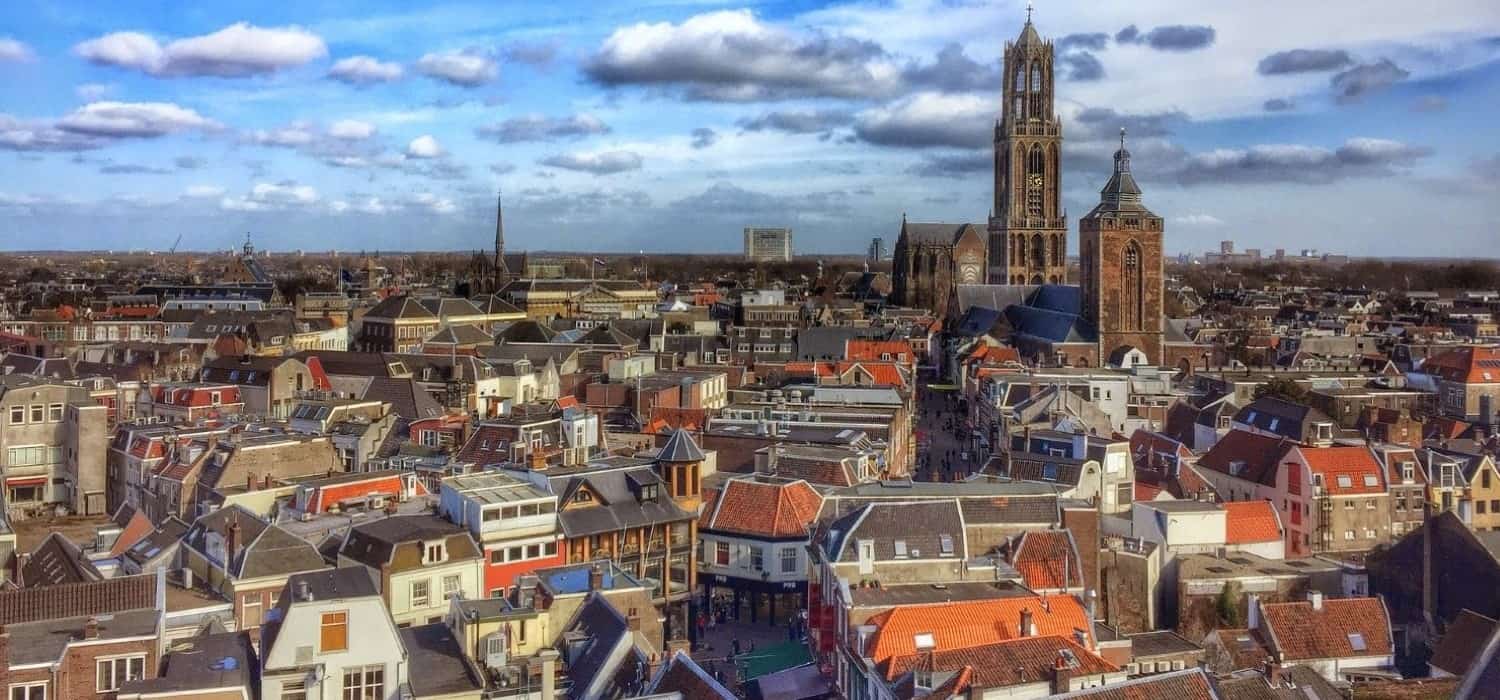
{"points": [[1228, 606], [1284, 389]]}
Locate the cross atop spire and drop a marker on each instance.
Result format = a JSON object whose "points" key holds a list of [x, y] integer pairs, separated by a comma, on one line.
{"points": [[1122, 138], [1029, 8]]}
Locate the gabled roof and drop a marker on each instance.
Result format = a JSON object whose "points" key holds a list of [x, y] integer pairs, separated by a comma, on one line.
{"points": [[1188, 684], [973, 623], [277, 552], [748, 507], [1470, 365], [1343, 628], [1462, 642], [57, 561], [1346, 471], [1246, 455], [450, 306], [69, 599], [681, 674], [941, 234], [1047, 559], [1011, 662], [402, 307]]}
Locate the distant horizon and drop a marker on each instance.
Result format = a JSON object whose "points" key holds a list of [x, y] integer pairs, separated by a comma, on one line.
{"points": [[630, 126]]}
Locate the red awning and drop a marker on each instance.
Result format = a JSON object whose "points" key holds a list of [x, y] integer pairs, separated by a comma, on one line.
{"points": [[27, 481]]}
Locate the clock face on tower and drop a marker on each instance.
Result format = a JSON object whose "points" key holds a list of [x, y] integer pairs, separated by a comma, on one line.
{"points": [[1036, 180]]}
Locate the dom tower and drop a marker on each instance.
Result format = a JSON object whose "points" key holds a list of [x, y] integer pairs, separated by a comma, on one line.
{"points": [[1028, 228]]}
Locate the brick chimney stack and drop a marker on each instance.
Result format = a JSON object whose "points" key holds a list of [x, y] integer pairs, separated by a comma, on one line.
{"points": [[1062, 675], [91, 628], [1026, 623], [596, 577]]}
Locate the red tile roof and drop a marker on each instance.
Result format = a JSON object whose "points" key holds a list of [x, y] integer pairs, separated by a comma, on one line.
{"points": [[1259, 454], [1302, 633], [1470, 365], [1047, 560], [75, 599], [881, 373], [1146, 492], [757, 509], [1251, 521], [1007, 663], [1344, 469], [972, 623], [1190, 684], [897, 350]]}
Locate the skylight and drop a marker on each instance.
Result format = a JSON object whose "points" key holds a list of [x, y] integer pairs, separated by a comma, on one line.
{"points": [[923, 641], [945, 544], [1370, 480], [1357, 641], [900, 549], [1345, 481]]}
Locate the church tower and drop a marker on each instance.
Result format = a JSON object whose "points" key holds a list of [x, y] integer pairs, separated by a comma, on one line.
{"points": [[502, 275], [1120, 250], [1028, 227]]}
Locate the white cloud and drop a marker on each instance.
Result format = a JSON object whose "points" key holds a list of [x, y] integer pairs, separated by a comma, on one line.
{"points": [[293, 135], [265, 196], [1198, 220], [237, 50], [351, 130], [598, 163], [134, 119], [434, 203], [15, 51], [929, 119], [424, 146], [364, 70], [203, 191], [466, 68]]}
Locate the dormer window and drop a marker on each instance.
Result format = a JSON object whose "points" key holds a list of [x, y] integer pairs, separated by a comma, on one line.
{"points": [[648, 492], [434, 552], [582, 496], [1408, 472]]}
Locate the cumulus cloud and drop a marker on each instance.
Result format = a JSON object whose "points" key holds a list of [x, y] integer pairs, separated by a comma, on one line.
{"points": [[434, 203], [600, 163], [1083, 66], [536, 127], [468, 68], [237, 50], [1105, 123], [1198, 220], [1090, 42], [29, 135], [798, 122], [1353, 84], [424, 146], [727, 201], [733, 56], [928, 119], [703, 137], [1173, 37], [1278, 104], [364, 70], [351, 130], [134, 120], [1357, 157], [1304, 61], [13, 51], [294, 135], [954, 71], [954, 165], [266, 196]]}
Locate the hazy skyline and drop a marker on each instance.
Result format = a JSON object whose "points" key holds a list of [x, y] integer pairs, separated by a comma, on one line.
{"points": [[669, 126]]}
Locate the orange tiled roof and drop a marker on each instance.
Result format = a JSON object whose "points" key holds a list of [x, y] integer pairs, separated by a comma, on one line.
{"points": [[1470, 365], [763, 510], [1046, 559], [1250, 521], [972, 623], [882, 373], [1302, 633], [809, 369], [898, 350], [1007, 663], [1146, 492], [1341, 465]]}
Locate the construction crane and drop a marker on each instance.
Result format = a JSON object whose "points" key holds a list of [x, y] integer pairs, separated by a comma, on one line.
{"points": [[175, 244]]}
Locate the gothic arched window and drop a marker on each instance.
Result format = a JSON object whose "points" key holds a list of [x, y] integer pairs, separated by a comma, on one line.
{"points": [[1133, 289], [1057, 249], [1038, 250], [1036, 175], [1036, 77]]}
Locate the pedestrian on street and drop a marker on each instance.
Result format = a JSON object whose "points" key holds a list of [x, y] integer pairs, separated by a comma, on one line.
{"points": [[734, 646]]}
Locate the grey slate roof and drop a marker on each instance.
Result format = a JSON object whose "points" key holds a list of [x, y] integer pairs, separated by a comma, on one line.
{"points": [[920, 527], [680, 447], [402, 307], [620, 508], [278, 553], [934, 233], [45, 640], [205, 662], [372, 543], [439, 665], [57, 561]]}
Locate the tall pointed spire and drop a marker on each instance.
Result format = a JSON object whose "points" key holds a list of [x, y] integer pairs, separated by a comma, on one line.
{"points": [[501, 274]]}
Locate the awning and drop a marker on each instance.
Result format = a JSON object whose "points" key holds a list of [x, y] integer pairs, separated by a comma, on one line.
{"points": [[27, 481]]}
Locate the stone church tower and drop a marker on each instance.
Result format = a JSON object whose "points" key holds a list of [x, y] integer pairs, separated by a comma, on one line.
{"points": [[1028, 228], [1120, 248]]}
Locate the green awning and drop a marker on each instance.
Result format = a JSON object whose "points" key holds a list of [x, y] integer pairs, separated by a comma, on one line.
{"points": [[772, 659]]}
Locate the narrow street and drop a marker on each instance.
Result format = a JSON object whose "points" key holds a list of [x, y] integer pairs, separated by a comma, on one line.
{"points": [[945, 443]]}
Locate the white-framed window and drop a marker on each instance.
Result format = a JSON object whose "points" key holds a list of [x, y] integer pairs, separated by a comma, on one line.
{"points": [[757, 559], [37, 411], [54, 413], [115, 671], [434, 552], [451, 586], [364, 682], [294, 690], [788, 560], [421, 593], [29, 691], [17, 415]]}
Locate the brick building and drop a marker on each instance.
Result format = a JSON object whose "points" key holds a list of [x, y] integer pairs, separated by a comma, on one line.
{"points": [[1120, 252]]}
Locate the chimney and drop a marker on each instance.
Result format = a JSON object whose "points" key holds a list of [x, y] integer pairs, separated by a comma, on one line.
{"points": [[1273, 673], [1252, 602], [1316, 598], [266, 481], [1062, 674], [91, 628], [232, 542], [596, 577], [304, 591], [1026, 624], [549, 673], [249, 482]]}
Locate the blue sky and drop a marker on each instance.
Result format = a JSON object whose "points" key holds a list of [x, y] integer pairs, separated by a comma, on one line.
{"points": [[1355, 127]]}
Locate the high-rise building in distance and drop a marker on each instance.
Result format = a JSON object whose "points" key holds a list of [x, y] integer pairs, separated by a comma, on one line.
{"points": [[768, 244]]}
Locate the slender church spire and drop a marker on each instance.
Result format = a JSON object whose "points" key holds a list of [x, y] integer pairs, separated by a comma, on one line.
{"points": [[501, 274]]}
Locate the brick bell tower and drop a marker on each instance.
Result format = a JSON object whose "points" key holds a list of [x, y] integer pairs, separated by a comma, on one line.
{"points": [[1120, 251], [1028, 228]]}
